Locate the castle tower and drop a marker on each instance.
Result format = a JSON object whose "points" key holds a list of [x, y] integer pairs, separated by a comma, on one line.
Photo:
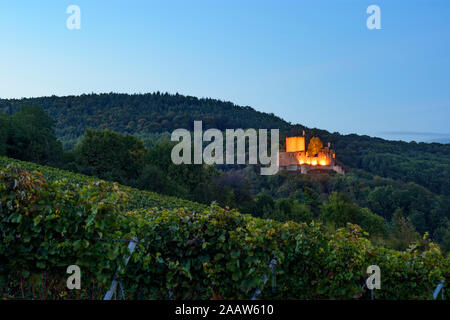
{"points": [[295, 144]]}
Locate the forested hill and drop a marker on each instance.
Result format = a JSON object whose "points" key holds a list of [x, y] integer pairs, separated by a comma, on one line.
{"points": [[148, 114], [143, 114]]}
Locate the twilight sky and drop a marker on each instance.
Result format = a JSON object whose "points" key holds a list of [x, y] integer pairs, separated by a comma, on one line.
{"points": [[309, 62]]}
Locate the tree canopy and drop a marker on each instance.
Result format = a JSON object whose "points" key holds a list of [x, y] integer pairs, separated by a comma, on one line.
{"points": [[29, 135]]}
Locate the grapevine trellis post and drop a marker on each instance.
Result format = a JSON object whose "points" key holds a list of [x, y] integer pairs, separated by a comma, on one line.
{"points": [[439, 287], [272, 265], [112, 290]]}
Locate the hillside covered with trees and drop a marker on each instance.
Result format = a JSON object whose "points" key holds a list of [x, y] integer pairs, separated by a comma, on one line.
{"points": [[149, 115], [397, 191]]}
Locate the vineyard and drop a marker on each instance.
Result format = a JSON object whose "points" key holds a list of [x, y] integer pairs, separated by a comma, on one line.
{"points": [[137, 198], [51, 219]]}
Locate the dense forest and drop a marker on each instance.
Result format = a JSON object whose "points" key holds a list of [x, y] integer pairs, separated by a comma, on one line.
{"points": [[399, 192], [150, 115]]}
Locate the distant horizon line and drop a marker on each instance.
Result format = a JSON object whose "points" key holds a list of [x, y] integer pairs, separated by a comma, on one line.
{"points": [[415, 133]]}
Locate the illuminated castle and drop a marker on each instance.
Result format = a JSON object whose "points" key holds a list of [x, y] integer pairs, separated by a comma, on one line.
{"points": [[315, 157]]}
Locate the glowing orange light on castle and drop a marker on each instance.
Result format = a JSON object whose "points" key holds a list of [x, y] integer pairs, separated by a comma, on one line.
{"points": [[305, 158], [322, 159]]}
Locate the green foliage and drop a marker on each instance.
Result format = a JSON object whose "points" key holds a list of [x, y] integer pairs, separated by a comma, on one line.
{"points": [[46, 227], [3, 133], [382, 175], [145, 115], [199, 252], [411, 272], [264, 205], [205, 254], [380, 200], [124, 158], [442, 235], [340, 210], [138, 198], [286, 209], [160, 174], [403, 232], [372, 223], [109, 155], [29, 135], [427, 211]]}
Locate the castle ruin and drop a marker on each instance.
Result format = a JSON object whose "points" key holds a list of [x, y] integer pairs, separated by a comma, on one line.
{"points": [[315, 157]]}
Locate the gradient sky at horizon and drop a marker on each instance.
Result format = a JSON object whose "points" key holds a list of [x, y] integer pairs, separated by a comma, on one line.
{"points": [[309, 62]]}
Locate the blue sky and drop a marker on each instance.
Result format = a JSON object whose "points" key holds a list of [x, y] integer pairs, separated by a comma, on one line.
{"points": [[310, 62]]}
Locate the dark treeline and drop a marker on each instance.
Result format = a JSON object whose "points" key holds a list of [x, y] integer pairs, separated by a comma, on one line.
{"points": [[396, 191], [29, 135], [142, 114]]}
